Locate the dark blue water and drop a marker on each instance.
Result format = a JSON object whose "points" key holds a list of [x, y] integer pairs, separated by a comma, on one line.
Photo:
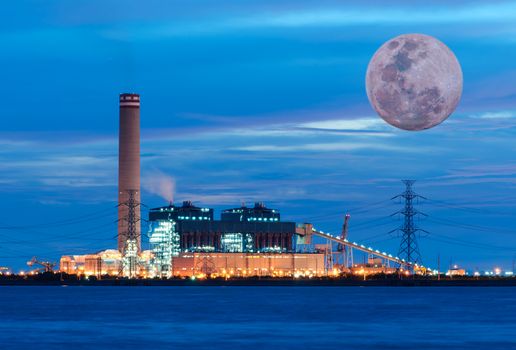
{"points": [[257, 317]]}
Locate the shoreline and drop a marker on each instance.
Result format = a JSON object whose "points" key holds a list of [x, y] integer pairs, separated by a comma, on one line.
{"points": [[55, 280]]}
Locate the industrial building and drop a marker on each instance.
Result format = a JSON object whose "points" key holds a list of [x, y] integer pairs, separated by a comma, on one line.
{"points": [[107, 262], [248, 265], [110, 263], [456, 271], [186, 212], [240, 230], [373, 266], [181, 236], [186, 241], [164, 241], [257, 213]]}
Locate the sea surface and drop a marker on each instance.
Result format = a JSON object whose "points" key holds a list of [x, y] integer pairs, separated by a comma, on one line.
{"points": [[257, 317]]}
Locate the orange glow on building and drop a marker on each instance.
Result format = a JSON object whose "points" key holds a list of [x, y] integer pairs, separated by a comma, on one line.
{"points": [[247, 265]]}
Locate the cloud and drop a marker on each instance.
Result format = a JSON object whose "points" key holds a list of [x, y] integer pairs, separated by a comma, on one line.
{"points": [[367, 124], [324, 147], [292, 124], [500, 12], [14, 142], [480, 180], [39, 168], [360, 127], [483, 171], [77, 181], [374, 127], [307, 15], [496, 115], [478, 175]]}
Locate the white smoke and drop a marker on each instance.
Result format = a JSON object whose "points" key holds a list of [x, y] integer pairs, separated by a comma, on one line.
{"points": [[156, 182]]}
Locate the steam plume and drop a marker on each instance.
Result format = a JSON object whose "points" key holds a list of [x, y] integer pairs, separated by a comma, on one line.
{"points": [[163, 185]]}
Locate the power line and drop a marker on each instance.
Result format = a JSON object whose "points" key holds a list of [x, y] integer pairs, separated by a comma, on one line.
{"points": [[450, 205], [457, 242], [369, 227], [383, 234], [368, 207], [453, 223], [45, 240], [71, 221], [382, 240], [45, 235]]}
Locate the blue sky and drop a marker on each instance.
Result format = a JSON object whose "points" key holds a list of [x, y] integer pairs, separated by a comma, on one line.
{"points": [[252, 101]]}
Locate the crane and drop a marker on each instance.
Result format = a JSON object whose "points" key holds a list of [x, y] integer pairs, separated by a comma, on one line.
{"points": [[46, 266], [345, 226], [347, 254]]}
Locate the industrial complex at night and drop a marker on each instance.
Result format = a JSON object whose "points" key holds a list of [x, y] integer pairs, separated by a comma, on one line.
{"points": [[246, 241], [188, 241]]}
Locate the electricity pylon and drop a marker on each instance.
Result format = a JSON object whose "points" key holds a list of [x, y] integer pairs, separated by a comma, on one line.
{"points": [[129, 266], [409, 249]]}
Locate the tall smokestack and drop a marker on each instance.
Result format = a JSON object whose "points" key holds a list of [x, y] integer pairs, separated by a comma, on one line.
{"points": [[129, 169]]}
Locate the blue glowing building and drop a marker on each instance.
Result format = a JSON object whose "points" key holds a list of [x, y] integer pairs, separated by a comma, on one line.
{"points": [[244, 229]]}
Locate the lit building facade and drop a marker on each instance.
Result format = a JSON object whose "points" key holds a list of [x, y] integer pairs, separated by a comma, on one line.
{"points": [[164, 241], [107, 262], [457, 271], [258, 213], [199, 264], [187, 241], [374, 266], [186, 212], [248, 265], [241, 230]]}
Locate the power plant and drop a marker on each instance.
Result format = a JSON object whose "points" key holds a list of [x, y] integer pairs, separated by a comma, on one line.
{"points": [[190, 241], [187, 241]]}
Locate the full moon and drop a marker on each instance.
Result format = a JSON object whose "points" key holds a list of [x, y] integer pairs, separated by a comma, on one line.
{"points": [[414, 82]]}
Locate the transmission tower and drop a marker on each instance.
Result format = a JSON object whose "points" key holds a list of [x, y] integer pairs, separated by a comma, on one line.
{"points": [[409, 249], [130, 254]]}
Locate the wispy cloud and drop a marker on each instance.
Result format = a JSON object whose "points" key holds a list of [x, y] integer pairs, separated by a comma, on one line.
{"points": [[325, 147], [362, 124], [497, 12], [59, 172], [486, 170], [309, 15], [496, 115], [15, 142]]}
